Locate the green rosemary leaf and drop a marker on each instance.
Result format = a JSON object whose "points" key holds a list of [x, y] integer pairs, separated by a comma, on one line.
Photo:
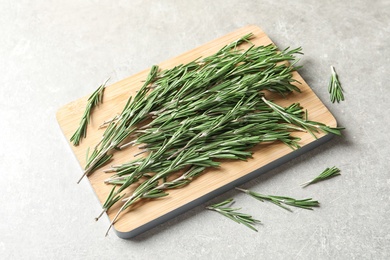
{"points": [[334, 87], [153, 194], [326, 174], [280, 200], [110, 195], [233, 214], [333, 130], [87, 154], [177, 184], [223, 203], [93, 100]]}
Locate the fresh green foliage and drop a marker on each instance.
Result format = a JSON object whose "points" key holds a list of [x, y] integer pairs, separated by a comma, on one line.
{"points": [[233, 214], [280, 200], [326, 174], [334, 87], [199, 86], [188, 118], [309, 126], [93, 100]]}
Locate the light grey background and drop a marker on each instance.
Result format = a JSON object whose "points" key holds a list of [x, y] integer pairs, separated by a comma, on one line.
{"points": [[53, 52]]}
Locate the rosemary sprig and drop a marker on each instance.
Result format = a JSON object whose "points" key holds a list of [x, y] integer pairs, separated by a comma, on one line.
{"points": [[233, 214], [93, 100], [334, 87], [280, 200], [310, 126], [326, 174]]}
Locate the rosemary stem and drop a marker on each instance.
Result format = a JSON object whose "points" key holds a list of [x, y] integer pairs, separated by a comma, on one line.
{"points": [[115, 218], [141, 152], [243, 190], [333, 70], [92, 164], [127, 144], [107, 122], [109, 170], [306, 183], [101, 214]]}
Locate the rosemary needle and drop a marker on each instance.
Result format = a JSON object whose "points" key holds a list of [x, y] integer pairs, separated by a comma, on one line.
{"points": [[326, 174], [233, 214], [93, 100], [280, 200], [334, 87]]}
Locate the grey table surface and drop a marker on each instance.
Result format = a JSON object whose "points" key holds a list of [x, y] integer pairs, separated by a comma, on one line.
{"points": [[53, 52]]}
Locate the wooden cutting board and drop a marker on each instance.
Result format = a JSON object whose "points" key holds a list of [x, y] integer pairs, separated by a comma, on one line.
{"points": [[231, 174]]}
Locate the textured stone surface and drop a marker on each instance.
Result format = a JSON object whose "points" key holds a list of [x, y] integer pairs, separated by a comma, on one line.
{"points": [[53, 52]]}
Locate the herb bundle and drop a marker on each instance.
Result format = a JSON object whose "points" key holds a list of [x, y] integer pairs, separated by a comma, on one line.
{"points": [[233, 214], [186, 119]]}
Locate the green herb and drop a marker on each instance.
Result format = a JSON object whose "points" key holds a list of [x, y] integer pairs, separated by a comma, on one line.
{"points": [[326, 174], [150, 190], [257, 68], [280, 200], [334, 87], [93, 100], [233, 214], [117, 131], [200, 153], [309, 126], [189, 118]]}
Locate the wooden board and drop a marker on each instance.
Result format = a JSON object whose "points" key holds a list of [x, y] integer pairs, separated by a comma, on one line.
{"points": [[142, 217]]}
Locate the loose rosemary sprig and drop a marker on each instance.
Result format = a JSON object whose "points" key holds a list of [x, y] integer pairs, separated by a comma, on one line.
{"points": [[233, 214], [93, 100], [280, 200], [326, 174], [334, 87]]}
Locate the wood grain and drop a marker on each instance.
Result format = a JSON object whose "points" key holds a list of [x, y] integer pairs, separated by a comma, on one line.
{"points": [[115, 97]]}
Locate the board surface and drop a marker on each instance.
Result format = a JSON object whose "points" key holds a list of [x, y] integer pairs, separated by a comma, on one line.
{"points": [[141, 217]]}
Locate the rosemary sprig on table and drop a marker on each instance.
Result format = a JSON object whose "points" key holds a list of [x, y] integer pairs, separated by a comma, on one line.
{"points": [[334, 87], [326, 174], [280, 200], [93, 100], [233, 214]]}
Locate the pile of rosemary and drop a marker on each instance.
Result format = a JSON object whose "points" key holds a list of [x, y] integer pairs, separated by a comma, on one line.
{"points": [[188, 118]]}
